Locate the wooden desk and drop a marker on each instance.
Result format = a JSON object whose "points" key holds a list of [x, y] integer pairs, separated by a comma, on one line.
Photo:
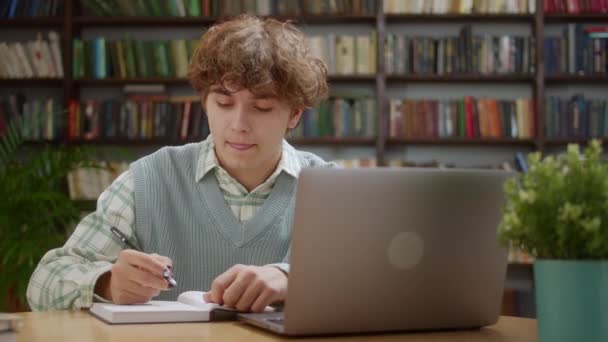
{"points": [[67, 326]]}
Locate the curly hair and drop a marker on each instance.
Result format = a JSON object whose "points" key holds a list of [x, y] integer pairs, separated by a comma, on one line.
{"points": [[264, 56]]}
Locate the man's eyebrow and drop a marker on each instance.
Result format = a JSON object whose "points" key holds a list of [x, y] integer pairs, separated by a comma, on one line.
{"points": [[262, 96]]}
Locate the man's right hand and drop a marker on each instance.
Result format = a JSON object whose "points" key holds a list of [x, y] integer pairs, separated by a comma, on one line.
{"points": [[135, 278]]}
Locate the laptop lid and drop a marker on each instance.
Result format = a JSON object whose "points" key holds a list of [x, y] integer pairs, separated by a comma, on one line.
{"points": [[390, 249]]}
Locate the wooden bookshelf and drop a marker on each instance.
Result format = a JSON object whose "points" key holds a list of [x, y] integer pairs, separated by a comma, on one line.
{"points": [[176, 80], [302, 141], [193, 21], [460, 141], [127, 21], [459, 18], [576, 18], [72, 23], [565, 141], [346, 141], [577, 79], [31, 82], [123, 81], [35, 23], [472, 78]]}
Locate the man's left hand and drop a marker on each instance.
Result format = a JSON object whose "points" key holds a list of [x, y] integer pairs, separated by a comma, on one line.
{"points": [[248, 288]]}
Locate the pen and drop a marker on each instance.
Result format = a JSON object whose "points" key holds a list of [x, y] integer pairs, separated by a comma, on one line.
{"points": [[168, 270]]}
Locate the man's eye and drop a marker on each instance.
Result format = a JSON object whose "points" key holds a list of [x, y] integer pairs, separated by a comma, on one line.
{"points": [[262, 109], [224, 104]]}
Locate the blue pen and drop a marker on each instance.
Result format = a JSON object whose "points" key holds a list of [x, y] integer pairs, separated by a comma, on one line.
{"points": [[168, 270]]}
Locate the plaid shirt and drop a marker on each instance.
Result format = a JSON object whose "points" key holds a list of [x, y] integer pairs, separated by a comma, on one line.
{"points": [[66, 276]]}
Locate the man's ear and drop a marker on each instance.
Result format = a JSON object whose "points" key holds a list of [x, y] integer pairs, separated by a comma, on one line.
{"points": [[295, 117]]}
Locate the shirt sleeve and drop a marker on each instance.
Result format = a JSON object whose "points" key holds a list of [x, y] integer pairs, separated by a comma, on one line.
{"points": [[65, 277]]}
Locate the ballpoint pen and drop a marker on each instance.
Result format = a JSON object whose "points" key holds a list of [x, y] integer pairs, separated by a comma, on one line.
{"points": [[167, 271]]}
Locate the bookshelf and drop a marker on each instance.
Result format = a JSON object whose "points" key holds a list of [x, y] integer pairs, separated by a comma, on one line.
{"points": [[72, 23], [51, 22], [523, 78], [184, 81], [576, 18], [460, 18], [576, 79], [461, 141]]}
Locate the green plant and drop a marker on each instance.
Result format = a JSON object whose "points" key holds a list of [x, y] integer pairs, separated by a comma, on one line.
{"points": [[35, 209], [559, 208]]}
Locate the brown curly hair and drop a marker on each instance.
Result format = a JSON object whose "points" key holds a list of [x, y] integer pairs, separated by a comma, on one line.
{"points": [[264, 56]]}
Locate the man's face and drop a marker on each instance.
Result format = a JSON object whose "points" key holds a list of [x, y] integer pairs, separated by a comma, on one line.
{"points": [[248, 129]]}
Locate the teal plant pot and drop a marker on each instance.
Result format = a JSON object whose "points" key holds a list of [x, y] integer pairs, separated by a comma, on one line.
{"points": [[572, 300]]}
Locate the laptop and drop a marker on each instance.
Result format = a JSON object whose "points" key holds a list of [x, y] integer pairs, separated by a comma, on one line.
{"points": [[388, 249]]}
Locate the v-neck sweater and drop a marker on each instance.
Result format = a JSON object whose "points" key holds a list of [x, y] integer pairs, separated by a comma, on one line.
{"points": [[189, 221]]}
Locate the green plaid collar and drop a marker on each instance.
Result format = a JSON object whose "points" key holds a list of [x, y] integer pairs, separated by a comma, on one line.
{"points": [[207, 160]]}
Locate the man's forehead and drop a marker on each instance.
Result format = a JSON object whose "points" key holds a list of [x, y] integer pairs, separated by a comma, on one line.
{"points": [[229, 89]]}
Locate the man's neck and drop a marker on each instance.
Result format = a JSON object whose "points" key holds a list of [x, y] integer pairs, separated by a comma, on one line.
{"points": [[252, 178]]}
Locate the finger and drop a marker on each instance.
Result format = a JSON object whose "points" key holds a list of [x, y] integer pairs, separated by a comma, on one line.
{"points": [[142, 260], [126, 284], [233, 293], [127, 297], [263, 300], [163, 259], [220, 284], [144, 278], [143, 291], [249, 296]]}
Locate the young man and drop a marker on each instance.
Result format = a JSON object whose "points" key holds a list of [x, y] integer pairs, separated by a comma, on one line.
{"points": [[220, 211]]}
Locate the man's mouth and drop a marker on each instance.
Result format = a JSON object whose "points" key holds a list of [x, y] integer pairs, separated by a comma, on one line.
{"points": [[239, 146]]}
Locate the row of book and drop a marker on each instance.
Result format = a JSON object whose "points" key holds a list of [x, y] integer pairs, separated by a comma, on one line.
{"points": [[43, 118], [339, 117], [139, 117], [216, 8], [89, 183], [294, 7], [576, 6], [580, 50], [174, 8], [38, 58], [576, 117], [346, 54], [100, 58], [466, 53], [31, 8], [463, 118], [182, 118], [459, 6]]}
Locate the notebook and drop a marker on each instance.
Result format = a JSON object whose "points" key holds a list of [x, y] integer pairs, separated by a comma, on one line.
{"points": [[189, 307]]}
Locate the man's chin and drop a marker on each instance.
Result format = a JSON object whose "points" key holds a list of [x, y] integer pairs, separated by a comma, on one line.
{"points": [[240, 164]]}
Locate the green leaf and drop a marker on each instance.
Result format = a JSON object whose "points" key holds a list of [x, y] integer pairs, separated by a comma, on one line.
{"points": [[36, 213], [559, 209]]}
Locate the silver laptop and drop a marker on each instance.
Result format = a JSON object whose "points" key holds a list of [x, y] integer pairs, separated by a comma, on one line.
{"points": [[377, 250]]}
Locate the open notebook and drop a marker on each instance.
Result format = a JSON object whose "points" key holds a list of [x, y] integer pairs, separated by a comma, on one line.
{"points": [[189, 307]]}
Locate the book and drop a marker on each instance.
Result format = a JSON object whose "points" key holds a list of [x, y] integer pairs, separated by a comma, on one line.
{"points": [[469, 118], [466, 53], [10, 322], [189, 307]]}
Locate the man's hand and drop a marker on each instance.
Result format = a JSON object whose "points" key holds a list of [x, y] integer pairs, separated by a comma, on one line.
{"points": [[248, 288], [135, 277]]}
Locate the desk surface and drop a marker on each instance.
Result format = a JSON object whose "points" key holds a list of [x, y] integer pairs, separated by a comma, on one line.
{"points": [[80, 326]]}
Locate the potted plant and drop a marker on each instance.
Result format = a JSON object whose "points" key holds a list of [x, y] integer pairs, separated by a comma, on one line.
{"points": [[558, 213], [35, 209]]}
